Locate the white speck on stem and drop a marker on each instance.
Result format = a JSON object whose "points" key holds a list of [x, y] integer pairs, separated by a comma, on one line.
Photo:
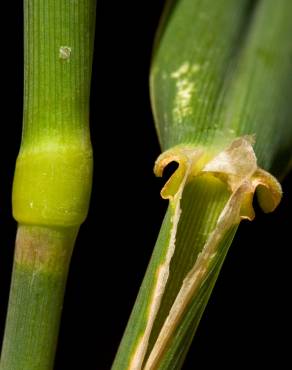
{"points": [[65, 52]]}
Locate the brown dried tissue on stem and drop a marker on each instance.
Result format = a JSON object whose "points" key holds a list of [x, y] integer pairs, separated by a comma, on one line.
{"points": [[237, 167], [186, 157]]}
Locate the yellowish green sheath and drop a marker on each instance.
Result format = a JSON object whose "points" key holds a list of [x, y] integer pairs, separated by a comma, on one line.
{"points": [[221, 87], [53, 175]]}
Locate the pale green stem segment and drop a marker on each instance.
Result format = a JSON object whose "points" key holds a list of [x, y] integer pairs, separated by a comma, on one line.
{"points": [[53, 175], [209, 89]]}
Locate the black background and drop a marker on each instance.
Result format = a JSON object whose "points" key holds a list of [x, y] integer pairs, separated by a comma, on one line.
{"points": [[248, 317]]}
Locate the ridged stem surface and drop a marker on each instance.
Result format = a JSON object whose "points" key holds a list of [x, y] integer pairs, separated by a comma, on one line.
{"points": [[53, 175]]}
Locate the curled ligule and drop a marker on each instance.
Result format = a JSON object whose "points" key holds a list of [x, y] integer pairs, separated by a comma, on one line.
{"points": [[187, 159], [236, 166]]}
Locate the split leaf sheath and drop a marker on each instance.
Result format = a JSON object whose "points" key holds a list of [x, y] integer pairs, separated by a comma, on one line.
{"points": [[220, 71]]}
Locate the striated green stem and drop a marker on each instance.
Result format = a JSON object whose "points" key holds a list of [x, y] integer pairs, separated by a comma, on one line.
{"points": [[53, 175], [58, 42], [203, 200]]}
